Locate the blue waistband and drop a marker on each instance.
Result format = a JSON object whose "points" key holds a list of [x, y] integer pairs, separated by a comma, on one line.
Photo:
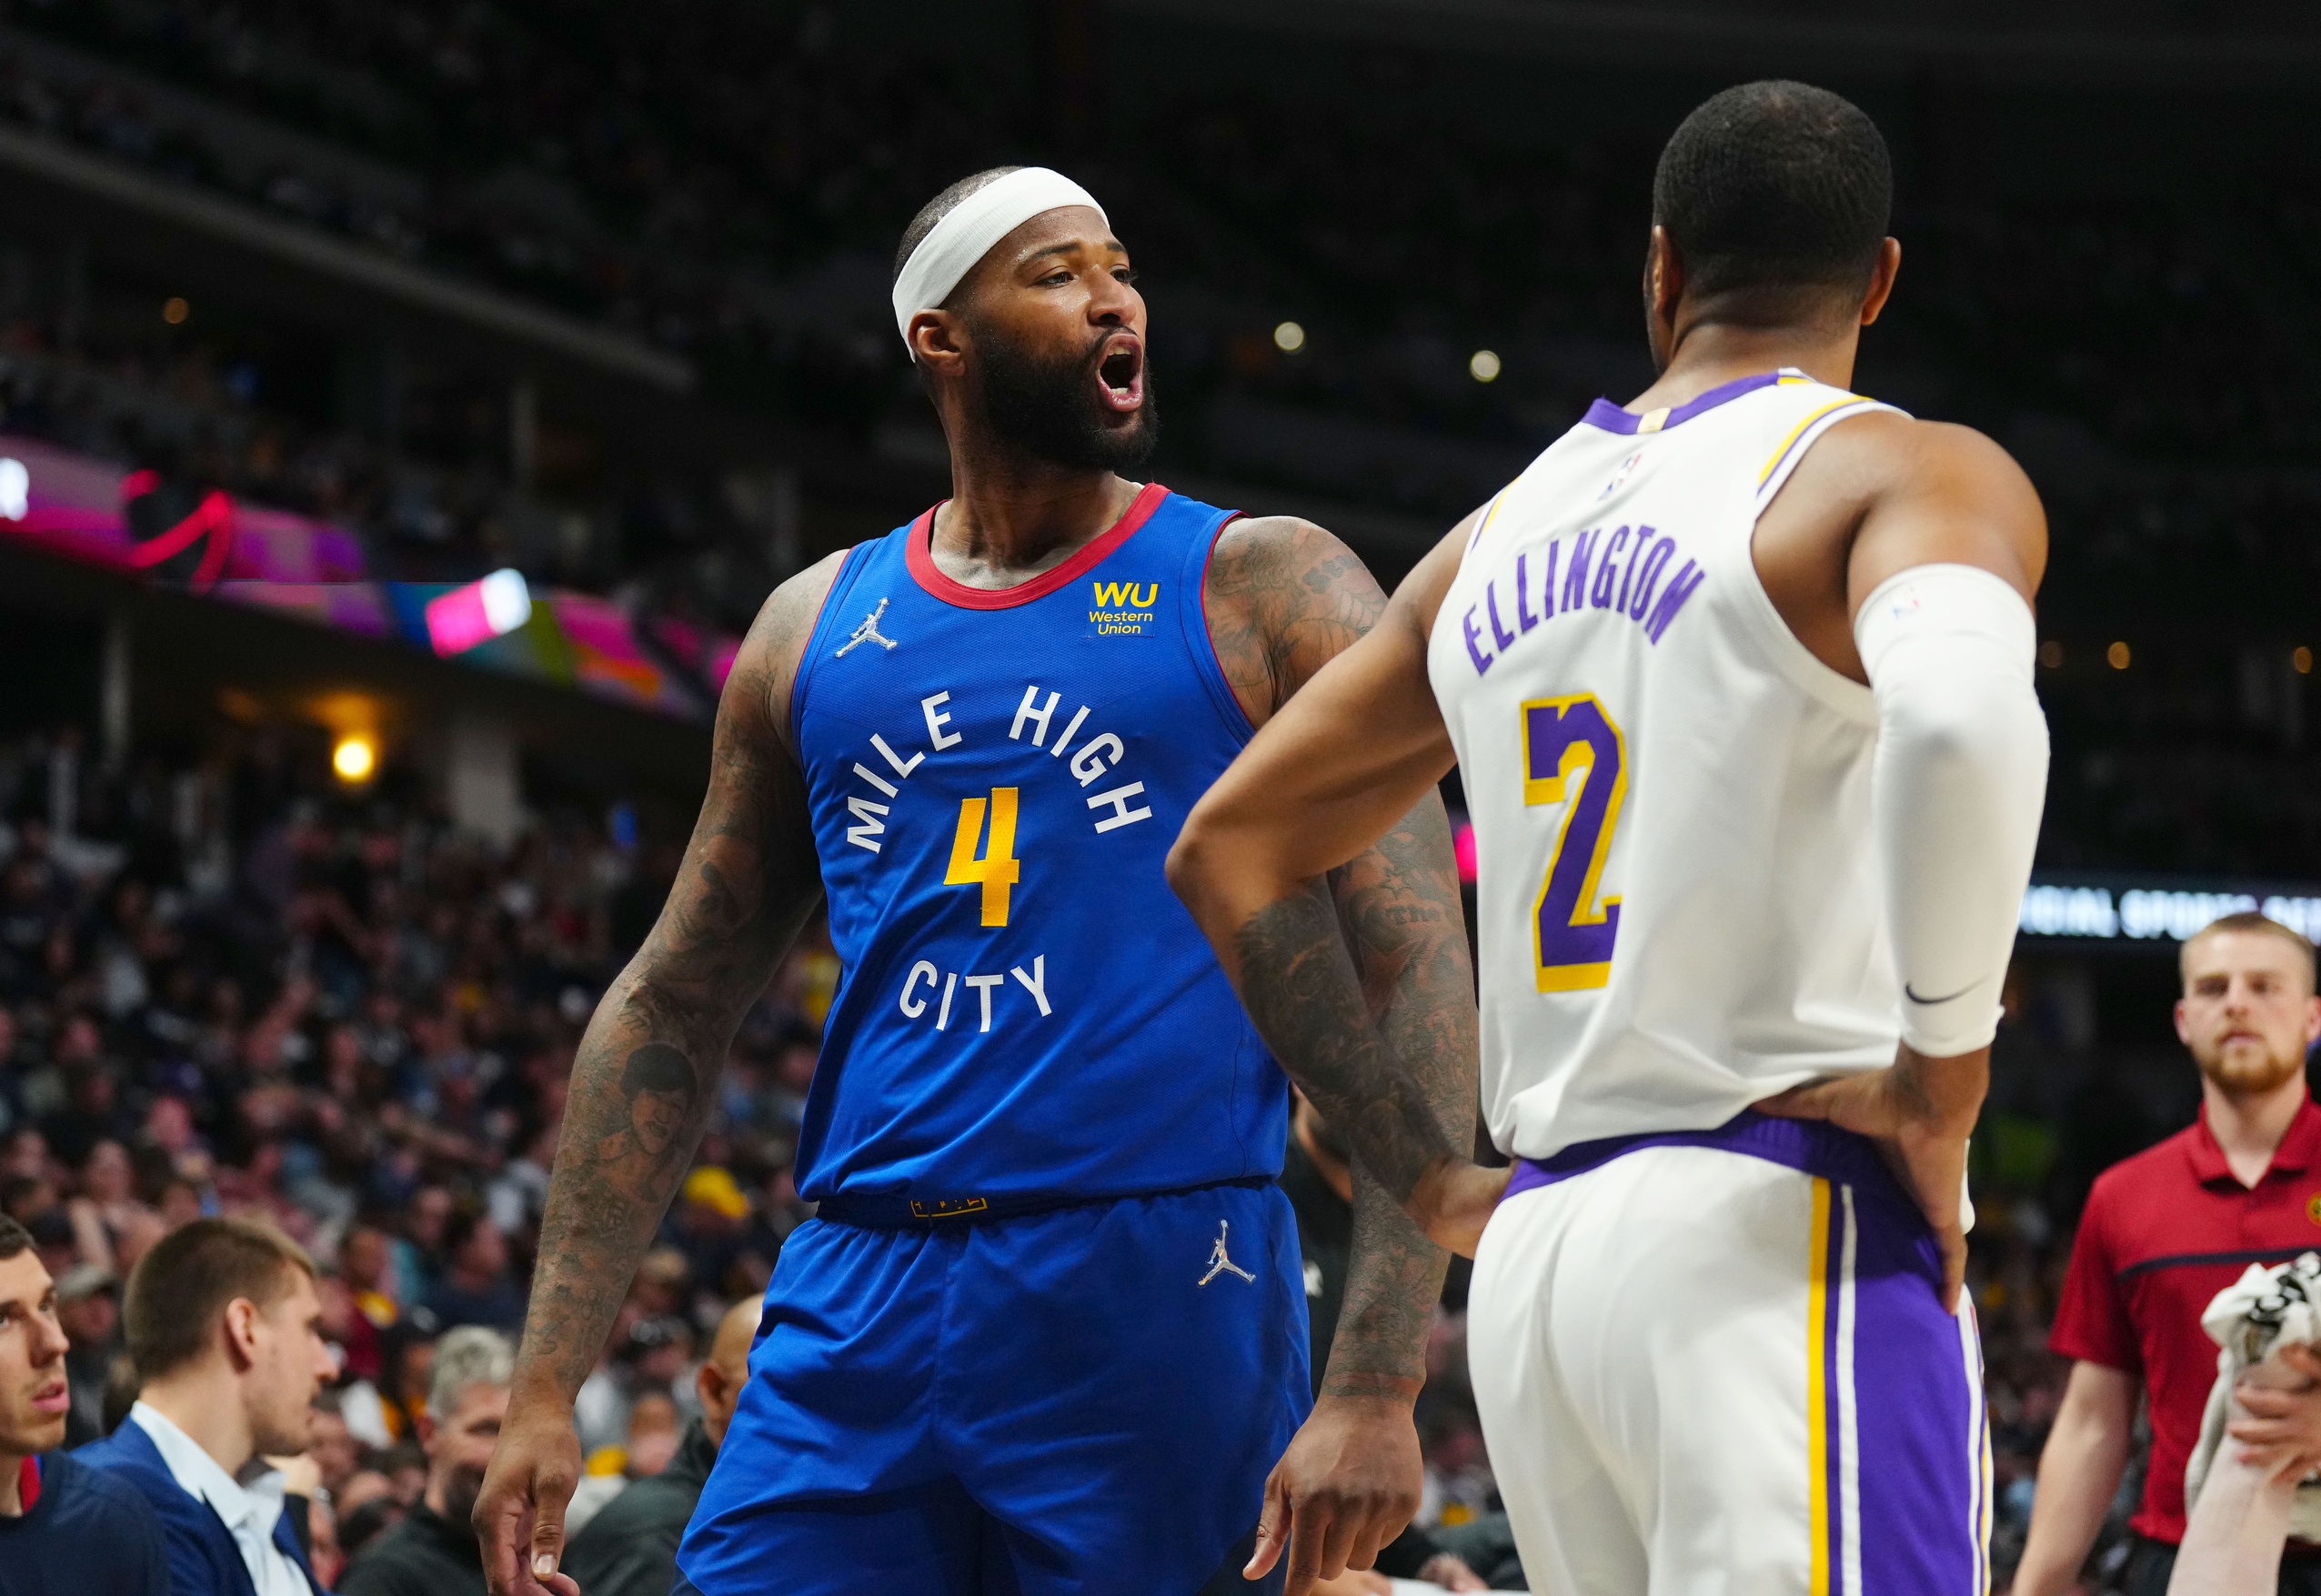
{"points": [[1813, 1147], [900, 1212]]}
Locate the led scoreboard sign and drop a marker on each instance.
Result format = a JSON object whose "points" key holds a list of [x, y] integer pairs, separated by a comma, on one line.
{"points": [[2127, 912]]}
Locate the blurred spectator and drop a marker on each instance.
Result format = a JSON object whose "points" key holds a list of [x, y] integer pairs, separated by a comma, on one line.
{"points": [[476, 1286], [367, 1265], [630, 1547], [223, 1327], [705, 1224], [322, 1540], [65, 1528], [406, 1355], [433, 1552], [405, 1464], [359, 1489], [88, 1305], [365, 1523], [653, 1435], [335, 1452]]}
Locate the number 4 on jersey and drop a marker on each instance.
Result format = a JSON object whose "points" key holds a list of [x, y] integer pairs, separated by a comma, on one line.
{"points": [[996, 870], [1571, 932]]}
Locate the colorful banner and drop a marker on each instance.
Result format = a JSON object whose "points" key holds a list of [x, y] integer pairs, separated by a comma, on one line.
{"points": [[215, 544]]}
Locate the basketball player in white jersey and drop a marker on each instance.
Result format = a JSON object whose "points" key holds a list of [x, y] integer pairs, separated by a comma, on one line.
{"points": [[1738, 681]]}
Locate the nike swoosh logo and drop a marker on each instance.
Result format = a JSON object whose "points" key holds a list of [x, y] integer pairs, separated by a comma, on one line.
{"points": [[1931, 1002]]}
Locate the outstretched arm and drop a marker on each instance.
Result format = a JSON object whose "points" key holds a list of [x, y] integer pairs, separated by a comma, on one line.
{"points": [[1284, 599], [643, 1078], [1333, 773]]}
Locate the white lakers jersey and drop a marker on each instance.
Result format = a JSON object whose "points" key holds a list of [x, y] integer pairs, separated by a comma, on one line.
{"points": [[1679, 902]]}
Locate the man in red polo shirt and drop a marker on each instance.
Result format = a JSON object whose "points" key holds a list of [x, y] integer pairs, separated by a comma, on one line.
{"points": [[2162, 1233]]}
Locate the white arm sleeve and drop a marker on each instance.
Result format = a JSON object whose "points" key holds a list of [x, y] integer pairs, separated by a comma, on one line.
{"points": [[1959, 780]]}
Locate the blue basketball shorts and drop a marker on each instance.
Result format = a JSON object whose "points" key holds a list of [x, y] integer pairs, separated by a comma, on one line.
{"points": [[1080, 1400]]}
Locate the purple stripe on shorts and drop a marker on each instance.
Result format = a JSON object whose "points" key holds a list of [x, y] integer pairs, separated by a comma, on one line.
{"points": [[1813, 1147], [1919, 1476]]}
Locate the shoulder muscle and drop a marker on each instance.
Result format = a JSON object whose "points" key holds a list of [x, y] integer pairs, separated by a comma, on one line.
{"points": [[758, 689], [1283, 598], [1878, 493]]}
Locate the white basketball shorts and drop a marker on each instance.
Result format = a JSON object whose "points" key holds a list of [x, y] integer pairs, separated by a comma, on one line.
{"points": [[1715, 1364]]}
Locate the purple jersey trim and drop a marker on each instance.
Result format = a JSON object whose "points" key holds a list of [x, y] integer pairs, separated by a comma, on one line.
{"points": [[1813, 1147], [1610, 417]]}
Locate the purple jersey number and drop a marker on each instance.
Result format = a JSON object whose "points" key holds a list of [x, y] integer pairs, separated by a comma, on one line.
{"points": [[1573, 932]]}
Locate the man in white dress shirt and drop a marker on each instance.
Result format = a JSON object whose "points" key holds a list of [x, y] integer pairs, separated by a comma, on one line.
{"points": [[224, 1328]]}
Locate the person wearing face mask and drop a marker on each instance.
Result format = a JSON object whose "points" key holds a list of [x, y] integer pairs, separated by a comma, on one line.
{"points": [[2162, 1233]]}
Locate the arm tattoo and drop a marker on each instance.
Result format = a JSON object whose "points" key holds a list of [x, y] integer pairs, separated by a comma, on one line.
{"points": [[1364, 992], [646, 1072], [1285, 598], [1305, 998], [1398, 904]]}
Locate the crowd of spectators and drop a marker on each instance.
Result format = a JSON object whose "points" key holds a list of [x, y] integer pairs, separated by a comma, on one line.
{"points": [[223, 990], [227, 987], [729, 184]]}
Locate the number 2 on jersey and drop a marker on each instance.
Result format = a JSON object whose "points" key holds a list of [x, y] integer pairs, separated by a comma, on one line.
{"points": [[996, 870], [1571, 932]]}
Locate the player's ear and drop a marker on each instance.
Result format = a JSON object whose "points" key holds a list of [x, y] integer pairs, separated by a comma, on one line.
{"points": [[1664, 291], [937, 343], [1663, 275], [1882, 275]]}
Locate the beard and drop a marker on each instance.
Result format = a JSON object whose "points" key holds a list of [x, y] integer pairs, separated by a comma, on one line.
{"points": [[2251, 1071], [1047, 409], [461, 1487]]}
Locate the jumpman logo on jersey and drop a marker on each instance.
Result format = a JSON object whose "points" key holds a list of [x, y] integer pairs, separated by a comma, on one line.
{"points": [[868, 632], [1219, 1264]]}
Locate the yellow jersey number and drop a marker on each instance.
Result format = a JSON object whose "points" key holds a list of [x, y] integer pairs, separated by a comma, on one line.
{"points": [[996, 870], [1573, 925]]}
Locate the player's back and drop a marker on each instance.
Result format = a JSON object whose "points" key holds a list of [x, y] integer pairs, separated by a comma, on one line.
{"points": [[1679, 906]]}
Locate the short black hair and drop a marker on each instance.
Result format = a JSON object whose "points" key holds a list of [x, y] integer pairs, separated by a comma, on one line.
{"points": [[14, 1238], [1776, 184], [656, 1066], [937, 208]]}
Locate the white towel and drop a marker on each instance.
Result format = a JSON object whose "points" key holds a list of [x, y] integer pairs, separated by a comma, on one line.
{"points": [[2265, 1308]]}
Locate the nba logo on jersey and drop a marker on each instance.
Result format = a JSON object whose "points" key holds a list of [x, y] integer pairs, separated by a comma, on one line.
{"points": [[1621, 476]]}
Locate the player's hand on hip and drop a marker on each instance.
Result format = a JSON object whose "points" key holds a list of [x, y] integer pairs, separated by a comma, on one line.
{"points": [[1349, 1484], [1919, 1118], [1454, 1201], [519, 1512]]}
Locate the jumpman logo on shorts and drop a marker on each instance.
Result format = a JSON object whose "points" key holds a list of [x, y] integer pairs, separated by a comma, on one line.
{"points": [[1219, 1264], [868, 632]]}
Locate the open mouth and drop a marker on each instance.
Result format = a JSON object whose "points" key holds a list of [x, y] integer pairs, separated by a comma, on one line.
{"points": [[1119, 374], [52, 1398]]}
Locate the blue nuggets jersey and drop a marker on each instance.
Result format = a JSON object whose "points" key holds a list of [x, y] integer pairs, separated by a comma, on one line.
{"points": [[1025, 1011]]}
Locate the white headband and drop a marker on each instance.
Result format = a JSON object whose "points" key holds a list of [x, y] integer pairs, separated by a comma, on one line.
{"points": [[968, 230]]}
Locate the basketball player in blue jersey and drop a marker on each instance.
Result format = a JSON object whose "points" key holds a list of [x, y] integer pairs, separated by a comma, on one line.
{"points": [[1738, 678], [1046, 1333]]}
